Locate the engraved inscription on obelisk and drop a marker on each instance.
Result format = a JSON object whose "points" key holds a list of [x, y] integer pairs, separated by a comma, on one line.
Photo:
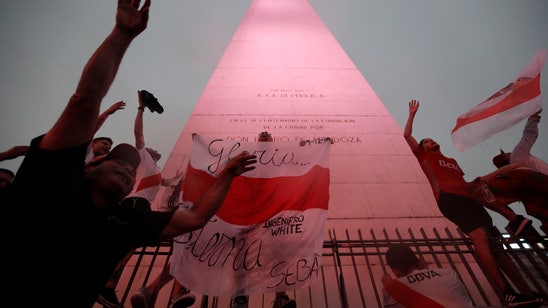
{"points": [[285, 73]]}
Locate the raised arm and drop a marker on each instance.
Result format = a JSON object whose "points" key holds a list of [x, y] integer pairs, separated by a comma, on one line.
{"points": [[105, 114], [522, 150], [14, 152], [407, 133], [199, 214], [138, 130], [77, 123]]}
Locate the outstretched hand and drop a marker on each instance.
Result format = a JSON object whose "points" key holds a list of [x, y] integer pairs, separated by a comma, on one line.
{"points": [[241, 163], [115, 107], [536, 116], [130, 18], [413, 106]]}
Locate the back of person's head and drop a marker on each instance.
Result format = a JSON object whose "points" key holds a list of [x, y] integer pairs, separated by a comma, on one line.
{"points": [[265, 137], [123, 151], [6, 177], [400, 257], [502, 159]]}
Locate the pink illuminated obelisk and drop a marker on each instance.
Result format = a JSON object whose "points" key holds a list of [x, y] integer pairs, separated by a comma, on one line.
{"points": [[285, 73]]}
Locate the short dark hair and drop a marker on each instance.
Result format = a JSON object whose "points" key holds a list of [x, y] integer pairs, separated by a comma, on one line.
{"points": [[401, 257], [103, 138], [7, 171], [421, 144], [501, 160]]}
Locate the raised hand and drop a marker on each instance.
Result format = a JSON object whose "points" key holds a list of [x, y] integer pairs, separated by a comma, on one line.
{"points": [[115, 107], [241, 163], [130, 18], [413, 106]]}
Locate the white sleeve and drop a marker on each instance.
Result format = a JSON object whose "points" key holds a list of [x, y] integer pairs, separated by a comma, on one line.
{"points": [[522, 150]]}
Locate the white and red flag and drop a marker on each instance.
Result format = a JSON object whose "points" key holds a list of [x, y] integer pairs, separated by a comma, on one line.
{"points": [[148, 177], [268, 234], [504, 109]]}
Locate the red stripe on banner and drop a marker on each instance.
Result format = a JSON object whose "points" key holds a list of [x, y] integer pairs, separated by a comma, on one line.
{"points": [[255, 200], [196, 183], [149, 181], [408, 297], [522, 94]]}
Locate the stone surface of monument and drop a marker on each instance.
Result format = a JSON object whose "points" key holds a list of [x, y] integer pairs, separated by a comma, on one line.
{"points": [[285, 73]]}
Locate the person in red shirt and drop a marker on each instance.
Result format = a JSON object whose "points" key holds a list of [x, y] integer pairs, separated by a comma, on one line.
{"points": [[457, 203]]}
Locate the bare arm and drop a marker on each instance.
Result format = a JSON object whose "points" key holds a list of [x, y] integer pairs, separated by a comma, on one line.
{"points": [[138, 130], [105, 114], [407, 133], [77, 123], [14, 152], [199, 214]]}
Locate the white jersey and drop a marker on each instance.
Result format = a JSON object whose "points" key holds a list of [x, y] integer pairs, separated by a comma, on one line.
{"points": [[148, 178], [440, 285], [522, 151]]}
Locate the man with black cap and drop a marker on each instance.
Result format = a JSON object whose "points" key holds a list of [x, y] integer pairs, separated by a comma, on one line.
{"points": [[65, 224]]}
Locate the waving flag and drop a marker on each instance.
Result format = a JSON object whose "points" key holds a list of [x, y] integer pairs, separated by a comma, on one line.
{"points": [[268, 234], [148, 177], [504, 109]]}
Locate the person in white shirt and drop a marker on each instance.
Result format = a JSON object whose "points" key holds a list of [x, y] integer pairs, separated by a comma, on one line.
{"points": [[416, 285], [522, 151]]}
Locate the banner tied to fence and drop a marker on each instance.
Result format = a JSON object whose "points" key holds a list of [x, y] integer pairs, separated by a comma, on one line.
{"points": [[268, 234]]}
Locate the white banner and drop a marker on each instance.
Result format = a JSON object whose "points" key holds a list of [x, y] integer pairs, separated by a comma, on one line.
{"points": [[268, 234]]}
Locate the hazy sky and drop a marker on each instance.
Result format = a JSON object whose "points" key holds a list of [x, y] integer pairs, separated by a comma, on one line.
{"points": [[450, 55]]}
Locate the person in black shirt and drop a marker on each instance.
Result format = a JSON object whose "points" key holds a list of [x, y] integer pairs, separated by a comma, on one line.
{"points": [[66, 227]]}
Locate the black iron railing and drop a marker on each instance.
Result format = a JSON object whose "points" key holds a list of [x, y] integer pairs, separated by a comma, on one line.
{"points": [[353, 263]]}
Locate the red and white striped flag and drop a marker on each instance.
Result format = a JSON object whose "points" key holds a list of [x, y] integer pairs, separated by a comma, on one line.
{"points": [[504, 109], [268, 234], [148, 177]]}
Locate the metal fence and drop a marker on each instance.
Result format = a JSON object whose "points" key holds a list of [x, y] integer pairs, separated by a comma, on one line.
{"points": [[353, 264]]}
